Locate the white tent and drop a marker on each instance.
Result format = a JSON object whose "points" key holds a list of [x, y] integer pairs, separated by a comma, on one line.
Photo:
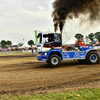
{"points": [[65, 38], [25, 45], [71, 41], [14, 43], [34, 46]]}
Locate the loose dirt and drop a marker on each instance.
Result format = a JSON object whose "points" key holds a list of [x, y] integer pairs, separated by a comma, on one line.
{"points": [[30, 77]]}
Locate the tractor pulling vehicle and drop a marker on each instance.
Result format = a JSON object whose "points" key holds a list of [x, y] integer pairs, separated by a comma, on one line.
{"points": [[50, 49]]}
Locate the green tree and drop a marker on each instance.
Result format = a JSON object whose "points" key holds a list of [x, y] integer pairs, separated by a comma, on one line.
{"points": [[91, 36], [3, 43], [30, 42], [8, 42], [0, 44], [79, 36], [97, 36], [20, 44]]}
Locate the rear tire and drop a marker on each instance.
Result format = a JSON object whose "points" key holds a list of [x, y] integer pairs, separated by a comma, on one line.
{"points": [[54, 60], [92, 58]]}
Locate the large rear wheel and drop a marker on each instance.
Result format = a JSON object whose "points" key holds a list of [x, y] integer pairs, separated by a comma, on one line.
{"points": [[54, 60], [92, 57]]}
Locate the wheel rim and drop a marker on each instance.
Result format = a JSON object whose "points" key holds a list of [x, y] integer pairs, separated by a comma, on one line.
{"points": [[93, 58], [54, 60]]}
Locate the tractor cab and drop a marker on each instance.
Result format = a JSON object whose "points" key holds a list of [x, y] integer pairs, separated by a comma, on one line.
{"points": [[48, 41]]}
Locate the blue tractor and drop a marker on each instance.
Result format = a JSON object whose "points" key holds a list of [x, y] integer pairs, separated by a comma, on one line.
{"points": [[50, 49]]}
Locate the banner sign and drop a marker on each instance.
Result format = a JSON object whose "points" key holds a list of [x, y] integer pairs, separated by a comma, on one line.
{"points": [[35, 33]]}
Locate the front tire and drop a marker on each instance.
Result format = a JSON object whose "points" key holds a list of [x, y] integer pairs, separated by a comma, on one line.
{"points": [[92, 58], [54, 60]]}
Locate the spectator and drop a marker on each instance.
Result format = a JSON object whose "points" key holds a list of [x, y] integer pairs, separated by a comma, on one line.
{"points": [[32, 51]]}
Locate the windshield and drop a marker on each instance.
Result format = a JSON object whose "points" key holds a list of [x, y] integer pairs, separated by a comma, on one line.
{"points": [[51, 39], [48, 38]]}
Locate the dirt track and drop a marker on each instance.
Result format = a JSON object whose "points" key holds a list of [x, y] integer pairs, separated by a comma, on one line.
{"points": [[29, 77]]}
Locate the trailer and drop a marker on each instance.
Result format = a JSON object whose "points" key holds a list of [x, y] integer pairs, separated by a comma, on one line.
{"points": [[51, 50]]}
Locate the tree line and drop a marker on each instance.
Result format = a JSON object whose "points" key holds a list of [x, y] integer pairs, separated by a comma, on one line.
{"points": [[90, 36], [4, 43]]}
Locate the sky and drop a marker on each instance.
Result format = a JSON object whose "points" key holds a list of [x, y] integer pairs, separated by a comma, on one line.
{"points": [[19, 19]]}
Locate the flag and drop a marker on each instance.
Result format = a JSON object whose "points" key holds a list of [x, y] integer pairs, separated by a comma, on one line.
{"points": [[35, 33]]}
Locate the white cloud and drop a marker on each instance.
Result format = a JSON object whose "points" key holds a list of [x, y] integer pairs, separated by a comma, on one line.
{"points": [[1, 20], [38, 14], [41, 8]]}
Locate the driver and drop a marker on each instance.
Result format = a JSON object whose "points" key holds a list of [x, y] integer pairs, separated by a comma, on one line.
{"points": [[50, 39]]}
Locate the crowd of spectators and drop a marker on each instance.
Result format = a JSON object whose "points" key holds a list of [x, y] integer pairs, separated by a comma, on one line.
{"points": [[17, 49]]}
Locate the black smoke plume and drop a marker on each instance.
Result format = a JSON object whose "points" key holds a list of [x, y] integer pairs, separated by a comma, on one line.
{"points": [[69, 9]]}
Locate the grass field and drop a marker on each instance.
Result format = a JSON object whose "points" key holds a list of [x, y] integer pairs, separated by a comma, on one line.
{"points": [[98, 49], [17, 53], [84, 94], [26, 58]]}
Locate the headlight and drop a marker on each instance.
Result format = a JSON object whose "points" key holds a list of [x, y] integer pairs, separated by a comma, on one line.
{"points": [[45, 54]]}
